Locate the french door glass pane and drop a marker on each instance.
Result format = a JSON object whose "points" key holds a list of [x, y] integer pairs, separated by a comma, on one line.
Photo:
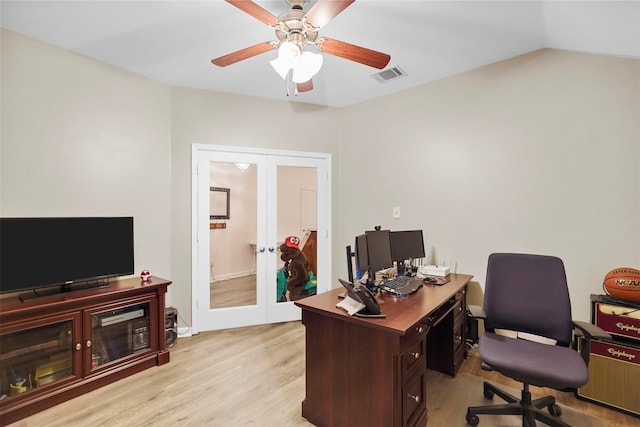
{"points": [[297, 216], [232, 234]]}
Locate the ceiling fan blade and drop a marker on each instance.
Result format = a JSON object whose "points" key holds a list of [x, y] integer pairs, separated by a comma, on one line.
{"points": [[355, 53], [325, 10], [242, 54], [305, 87], [256, 11]]}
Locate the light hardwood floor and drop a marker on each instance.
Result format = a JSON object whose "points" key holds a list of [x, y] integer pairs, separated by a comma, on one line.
{"points": [[236, 292], [251, 376]]}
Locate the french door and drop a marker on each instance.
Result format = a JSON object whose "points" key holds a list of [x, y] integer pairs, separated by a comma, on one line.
{"points": [[245, 203]]}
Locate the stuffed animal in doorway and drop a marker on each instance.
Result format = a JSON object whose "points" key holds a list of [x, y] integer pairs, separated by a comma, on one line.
{"points": [[294, 276]]}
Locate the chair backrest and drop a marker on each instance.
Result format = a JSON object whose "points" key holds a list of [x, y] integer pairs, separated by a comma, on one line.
{"points": [[528, 293]]}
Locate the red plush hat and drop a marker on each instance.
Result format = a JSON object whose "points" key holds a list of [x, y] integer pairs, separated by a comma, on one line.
{"points": [[292, 242]]}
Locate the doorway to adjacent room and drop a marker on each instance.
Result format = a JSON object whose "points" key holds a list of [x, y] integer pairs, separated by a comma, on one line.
{"points": [[245, 202]]}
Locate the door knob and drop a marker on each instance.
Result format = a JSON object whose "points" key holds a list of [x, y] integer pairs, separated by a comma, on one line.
{"points": [[261, 250], [271, 249]]}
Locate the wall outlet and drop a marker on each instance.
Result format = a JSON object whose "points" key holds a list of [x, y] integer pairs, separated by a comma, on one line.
{"points": [[396, 211]]}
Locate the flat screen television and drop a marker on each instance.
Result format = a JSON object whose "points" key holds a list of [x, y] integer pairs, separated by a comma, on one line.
{"points": [[44, 252]]}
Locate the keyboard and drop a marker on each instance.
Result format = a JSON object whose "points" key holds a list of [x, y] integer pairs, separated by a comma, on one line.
{"points": [[401, 285]]}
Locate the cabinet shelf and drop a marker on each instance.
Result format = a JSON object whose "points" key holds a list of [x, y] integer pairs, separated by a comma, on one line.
{"points": [[27, 350]]}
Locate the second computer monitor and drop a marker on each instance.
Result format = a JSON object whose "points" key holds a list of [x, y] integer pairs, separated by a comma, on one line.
{"points": [[406, 245]]}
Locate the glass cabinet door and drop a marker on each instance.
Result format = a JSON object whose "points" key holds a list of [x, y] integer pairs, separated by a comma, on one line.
{"points": [[120, 332], [36, 355]]}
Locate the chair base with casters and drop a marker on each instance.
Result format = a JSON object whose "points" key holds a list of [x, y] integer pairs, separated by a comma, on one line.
{"points": [[530, 410]]}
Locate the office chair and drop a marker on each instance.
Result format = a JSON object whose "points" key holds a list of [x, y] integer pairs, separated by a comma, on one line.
{"points": [[529, 294]]}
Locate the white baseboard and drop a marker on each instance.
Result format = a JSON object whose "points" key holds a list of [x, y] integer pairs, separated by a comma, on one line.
{"points": [[184, 332], [232, 276]]}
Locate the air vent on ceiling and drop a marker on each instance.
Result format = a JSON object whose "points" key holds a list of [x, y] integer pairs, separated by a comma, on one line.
{"points": [[389, 74]]}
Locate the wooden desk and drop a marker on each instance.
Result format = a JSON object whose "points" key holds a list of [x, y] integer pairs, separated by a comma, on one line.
{"points": [[367, 371]]}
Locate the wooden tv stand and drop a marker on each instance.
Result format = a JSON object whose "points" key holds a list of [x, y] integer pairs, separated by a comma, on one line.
{"points": [[372, 372], [60, 346]]}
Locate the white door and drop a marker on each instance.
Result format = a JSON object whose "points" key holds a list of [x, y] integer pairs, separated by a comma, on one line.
{"points": [[245, 203]]}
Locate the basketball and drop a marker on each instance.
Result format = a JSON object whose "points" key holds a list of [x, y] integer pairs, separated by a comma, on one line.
{"points": [[623, 283]]}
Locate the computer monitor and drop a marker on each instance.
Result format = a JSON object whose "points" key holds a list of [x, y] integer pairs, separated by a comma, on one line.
{"points": [[362, 256], [350, 256], [406, 245], [379, 250]]}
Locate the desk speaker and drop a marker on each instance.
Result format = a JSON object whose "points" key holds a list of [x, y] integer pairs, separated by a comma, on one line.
{"points": [[614, 374], [170, 326]]}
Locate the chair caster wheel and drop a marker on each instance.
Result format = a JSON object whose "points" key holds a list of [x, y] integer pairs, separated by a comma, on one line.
{"points": [[555, 410], [472, 419]]}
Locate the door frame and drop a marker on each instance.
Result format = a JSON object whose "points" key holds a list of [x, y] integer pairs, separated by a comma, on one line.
{"points": [[324, 216]]}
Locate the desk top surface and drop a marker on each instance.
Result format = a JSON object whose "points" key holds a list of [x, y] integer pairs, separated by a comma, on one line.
{"points": [[401, 312]]}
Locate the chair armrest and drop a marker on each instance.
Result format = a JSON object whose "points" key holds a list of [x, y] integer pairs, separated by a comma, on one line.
{"points": [[590, 330], [476, 311]]}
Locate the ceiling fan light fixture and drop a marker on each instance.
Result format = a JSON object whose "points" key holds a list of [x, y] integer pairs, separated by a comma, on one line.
{"points": [[309, 65], [281, 66], [289, 56], [288, 51], [295, 30]]}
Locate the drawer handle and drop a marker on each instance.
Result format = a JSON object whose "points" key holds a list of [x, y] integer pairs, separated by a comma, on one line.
{"points": [[416, 355], [459, 338], [420, 329], [78, 346], [88, 344], [460, 308], [415, 398]]}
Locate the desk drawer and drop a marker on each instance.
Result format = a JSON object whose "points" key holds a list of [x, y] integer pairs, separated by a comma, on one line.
{"points": [[458, 312], [414, 406], [459, 354], [414, 356], [416, 333]]}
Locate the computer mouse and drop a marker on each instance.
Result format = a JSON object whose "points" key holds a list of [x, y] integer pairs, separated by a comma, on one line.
{"points": [[429, 280]]}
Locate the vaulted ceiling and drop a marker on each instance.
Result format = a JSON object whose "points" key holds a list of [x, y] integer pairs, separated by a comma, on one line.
{"points": [[174, 41]]}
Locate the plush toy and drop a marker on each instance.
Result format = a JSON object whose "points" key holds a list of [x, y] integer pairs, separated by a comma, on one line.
{"points": [[294, 276]]}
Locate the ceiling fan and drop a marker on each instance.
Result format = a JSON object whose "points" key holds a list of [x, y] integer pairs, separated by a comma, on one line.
{"points": [[295, 30]]}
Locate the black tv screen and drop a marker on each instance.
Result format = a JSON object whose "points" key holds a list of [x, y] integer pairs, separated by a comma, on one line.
{"points": [[41, 252]]}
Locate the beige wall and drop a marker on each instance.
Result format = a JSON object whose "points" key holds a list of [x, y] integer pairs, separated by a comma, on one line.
{"points": [[80, 138], [540, 153]]}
